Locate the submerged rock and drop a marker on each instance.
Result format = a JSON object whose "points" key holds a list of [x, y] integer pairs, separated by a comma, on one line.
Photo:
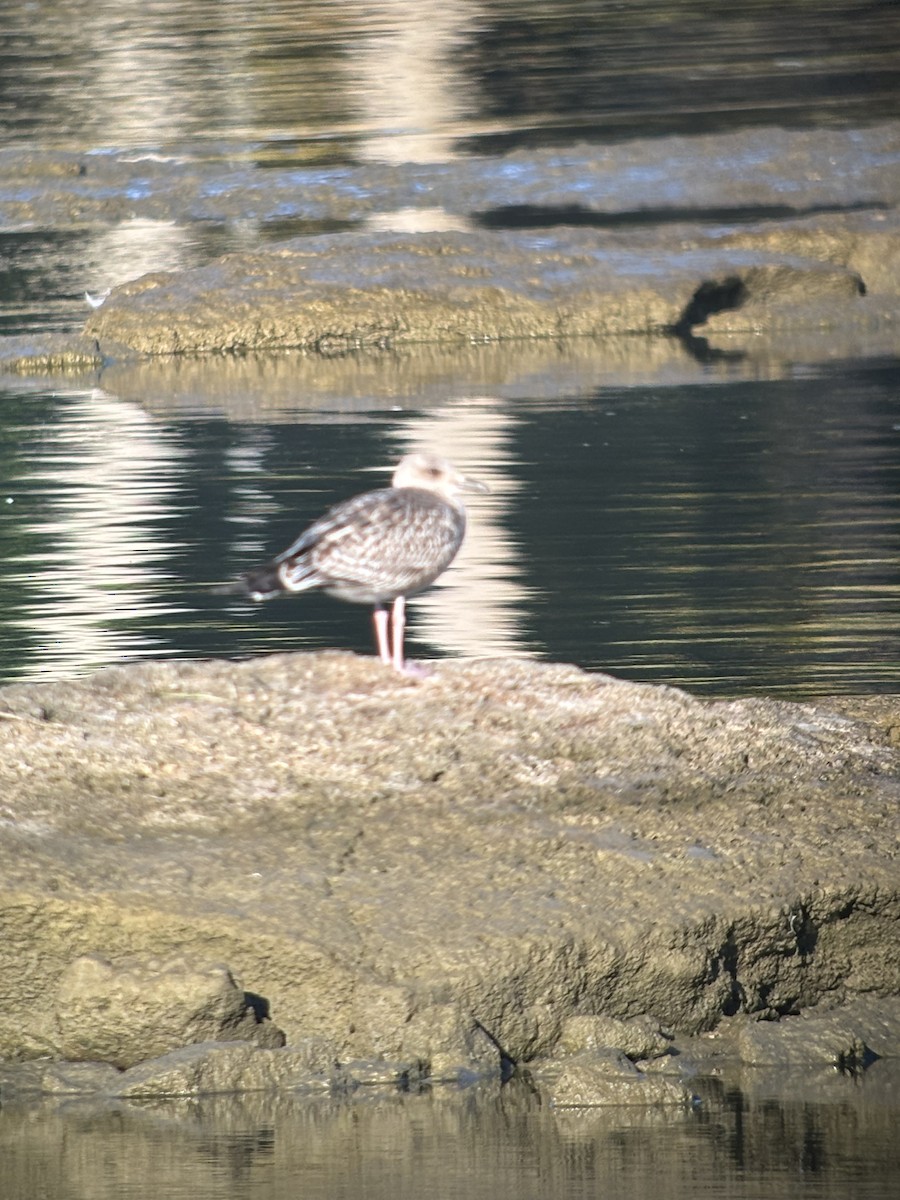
{"points": [[592, 1080]]}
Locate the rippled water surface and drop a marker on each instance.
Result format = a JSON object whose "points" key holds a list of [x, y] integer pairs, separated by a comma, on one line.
{"points": [[736, 536], [391, 77], [500, 1145]]}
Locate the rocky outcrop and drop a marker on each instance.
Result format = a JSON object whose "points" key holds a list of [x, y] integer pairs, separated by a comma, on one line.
{"points": [[476, 869], [330, 296], [709, 239], [123, 1015]]}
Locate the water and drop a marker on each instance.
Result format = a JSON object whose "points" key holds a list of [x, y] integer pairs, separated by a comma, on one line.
{"points": [[728, 525], [328, 80], [743, 1143], [733, 538]]}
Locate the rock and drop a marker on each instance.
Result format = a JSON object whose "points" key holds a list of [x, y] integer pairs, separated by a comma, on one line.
{"points": [[803, 1041], [592, 1080], [214, 1067], [128, 1013], [638, 1038], [444, 871], [814, 242], [449, 1046], [326, 296], [379, 1017], [378, 1072], [79, 1078], [210, 1067], [875, 1021]]}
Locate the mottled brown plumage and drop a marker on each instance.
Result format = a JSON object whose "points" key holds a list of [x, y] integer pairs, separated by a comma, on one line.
{"points": [[377, 548]]}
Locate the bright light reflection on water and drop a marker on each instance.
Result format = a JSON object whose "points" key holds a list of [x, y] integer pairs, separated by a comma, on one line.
{"points": [[739, 537], [96, 490]]}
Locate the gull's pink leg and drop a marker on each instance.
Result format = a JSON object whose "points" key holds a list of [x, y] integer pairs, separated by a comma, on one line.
{"points": [[411, 669], [380, 617], [398, 627]]}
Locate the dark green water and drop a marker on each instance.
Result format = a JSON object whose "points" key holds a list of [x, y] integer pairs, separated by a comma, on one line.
{"points": [[741, 536]]}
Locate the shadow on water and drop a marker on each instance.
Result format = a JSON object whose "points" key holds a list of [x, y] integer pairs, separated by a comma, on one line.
{"points": [[526, 216]]}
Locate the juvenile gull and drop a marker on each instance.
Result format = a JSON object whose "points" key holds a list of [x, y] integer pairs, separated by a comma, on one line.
{"points": [[376, 548]]}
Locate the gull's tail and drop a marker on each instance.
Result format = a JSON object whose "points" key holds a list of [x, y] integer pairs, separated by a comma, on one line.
{"points": [[262, 583]]}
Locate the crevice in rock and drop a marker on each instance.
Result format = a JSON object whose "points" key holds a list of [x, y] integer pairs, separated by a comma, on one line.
{"points": [[712, 296], [728, 959], [508, 1064], [259, 1005], [806, 932]]}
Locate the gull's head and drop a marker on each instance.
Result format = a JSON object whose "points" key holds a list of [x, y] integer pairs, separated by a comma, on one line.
{"points": [[434, 474]]}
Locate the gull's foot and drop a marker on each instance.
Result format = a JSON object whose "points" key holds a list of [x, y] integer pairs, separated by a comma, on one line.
{"points": [[414, 670]]}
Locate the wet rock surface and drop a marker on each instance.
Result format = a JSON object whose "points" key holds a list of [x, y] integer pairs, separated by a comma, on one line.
{"points": [[638, 1038], [718, 236], [764, 171], [325, 295], [115, 1015], [609, 1078], [801, 1040], [447, 874], [384, 290]]}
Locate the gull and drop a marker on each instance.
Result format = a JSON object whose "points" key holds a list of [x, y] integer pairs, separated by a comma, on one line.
{"points": [[378, 548]]}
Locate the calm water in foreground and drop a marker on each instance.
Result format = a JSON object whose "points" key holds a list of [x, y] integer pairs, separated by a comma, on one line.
{"points": [[746, 1143]]}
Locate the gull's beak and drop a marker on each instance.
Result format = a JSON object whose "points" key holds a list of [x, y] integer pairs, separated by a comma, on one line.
{"points": [[466, 483]]}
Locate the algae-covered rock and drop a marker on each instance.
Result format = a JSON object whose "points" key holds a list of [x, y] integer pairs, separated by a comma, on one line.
{"points": [[454, 871]]}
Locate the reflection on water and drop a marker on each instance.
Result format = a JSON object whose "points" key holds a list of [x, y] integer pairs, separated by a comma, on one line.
{"points": [[83, 72], [44, 275], [745, 536], [480, 613], [499, 1144], [741, 536], [408, 77], [98, 487]]}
